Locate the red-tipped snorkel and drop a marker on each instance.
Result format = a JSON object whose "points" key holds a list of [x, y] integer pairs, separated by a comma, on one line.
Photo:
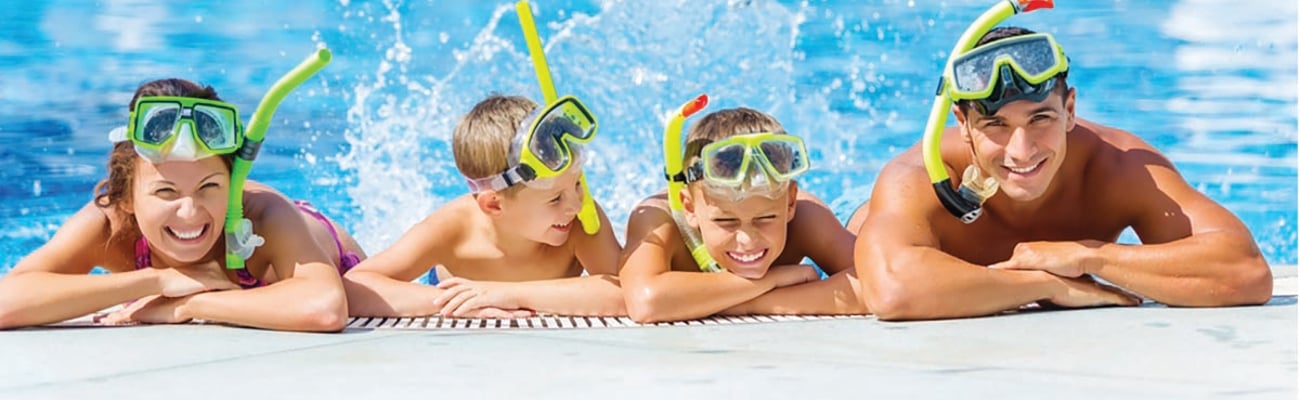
{"points": [[965, 203], [673, 159]]}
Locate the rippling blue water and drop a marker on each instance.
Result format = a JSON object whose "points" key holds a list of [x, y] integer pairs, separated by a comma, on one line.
{"points": [[1211, 83]]}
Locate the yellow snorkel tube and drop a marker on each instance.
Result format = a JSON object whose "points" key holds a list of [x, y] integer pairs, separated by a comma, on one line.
{"points": [[964, 203], [673, 159], [240, 240], [587, 215]]}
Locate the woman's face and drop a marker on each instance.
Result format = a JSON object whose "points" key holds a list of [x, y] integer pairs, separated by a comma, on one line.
{"points": [[180, 206]]}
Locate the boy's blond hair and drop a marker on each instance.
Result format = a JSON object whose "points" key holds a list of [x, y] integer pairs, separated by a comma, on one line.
{"points": [[481, 140]]}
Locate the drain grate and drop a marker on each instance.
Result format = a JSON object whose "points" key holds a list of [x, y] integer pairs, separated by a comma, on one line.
{"points": [[436, 322]]}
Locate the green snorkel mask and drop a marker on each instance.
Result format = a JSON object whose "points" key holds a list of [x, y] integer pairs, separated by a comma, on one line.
{"points": [[992, 77], [673, 171], [587, 214]]}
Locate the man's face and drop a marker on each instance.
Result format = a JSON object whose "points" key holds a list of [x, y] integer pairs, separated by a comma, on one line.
{"points": [[746, 236], [1022, 146]]}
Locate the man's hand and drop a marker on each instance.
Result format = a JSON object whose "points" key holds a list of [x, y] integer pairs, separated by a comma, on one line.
{"points": [[1086, 292], [1066, 259], [185, 281], [153, 309], [463, 298]]}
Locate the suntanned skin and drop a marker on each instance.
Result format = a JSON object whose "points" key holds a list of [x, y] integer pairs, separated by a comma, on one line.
{"points": [[1047, 231], [505, 258], [185, 281], [661, 282]]}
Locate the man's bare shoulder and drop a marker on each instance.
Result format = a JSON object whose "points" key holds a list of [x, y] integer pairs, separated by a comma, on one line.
{"points": [[1118, 155]]}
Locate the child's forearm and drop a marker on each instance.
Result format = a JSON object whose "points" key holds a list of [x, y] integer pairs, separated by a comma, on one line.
{"points": [[837, 295], [595, 295], [375, 295], [676, 296]]}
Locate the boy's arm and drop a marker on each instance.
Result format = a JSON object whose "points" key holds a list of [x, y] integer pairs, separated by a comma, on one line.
{"points": [[594, 295], [598, 253], [820, 236], [836, 295], [654, 292], [597, 294], [381, 285], [1194, 252], [905, 275]]}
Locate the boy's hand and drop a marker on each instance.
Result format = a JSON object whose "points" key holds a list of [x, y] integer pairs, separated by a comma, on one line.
{"points": [[790, 275], [188, 280], [462, 298], [1086, 292], [154, 309], [1067, 259]]}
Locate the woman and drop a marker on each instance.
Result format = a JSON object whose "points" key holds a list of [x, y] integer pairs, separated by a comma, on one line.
{"points": [[156, 224]]}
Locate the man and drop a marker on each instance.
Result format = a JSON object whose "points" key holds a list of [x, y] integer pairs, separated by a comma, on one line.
{"points": [[1053, 222]]}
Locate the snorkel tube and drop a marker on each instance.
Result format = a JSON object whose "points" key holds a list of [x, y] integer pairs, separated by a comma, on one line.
{"points": [[240, 240], [587, 214], [965, 203], [673, 159]]}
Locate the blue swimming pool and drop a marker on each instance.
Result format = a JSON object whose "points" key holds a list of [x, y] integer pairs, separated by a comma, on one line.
{"points": [[1211, 83]]}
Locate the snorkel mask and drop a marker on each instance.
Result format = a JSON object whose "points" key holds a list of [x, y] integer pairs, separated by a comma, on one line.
{"points": [[740, 166], [549, 152], [546, 145], [996, 74], [165, 128]]}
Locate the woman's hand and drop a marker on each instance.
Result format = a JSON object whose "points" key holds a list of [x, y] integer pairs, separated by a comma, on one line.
{"points": [[188, 280], [151, 310]]}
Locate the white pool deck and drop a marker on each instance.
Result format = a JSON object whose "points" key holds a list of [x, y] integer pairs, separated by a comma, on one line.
{"points": [[1148, 352]]}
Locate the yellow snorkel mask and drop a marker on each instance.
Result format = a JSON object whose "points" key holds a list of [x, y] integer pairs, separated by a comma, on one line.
{"points": [[569, 109], [547, 144], [991, 76]]}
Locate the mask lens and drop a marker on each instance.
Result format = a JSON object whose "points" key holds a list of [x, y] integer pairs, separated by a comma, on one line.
{"points": [[546, 143], [787, 158], [1034, 57], [557, 135], [215, 128], [726, 163], [158, 123]]}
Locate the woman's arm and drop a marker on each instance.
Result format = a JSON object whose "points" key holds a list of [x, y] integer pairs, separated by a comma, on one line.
{"points": [[308, 297], [51, 284]]}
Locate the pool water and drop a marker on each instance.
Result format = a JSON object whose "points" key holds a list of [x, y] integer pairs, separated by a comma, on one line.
{"points": [[1210, 83]]}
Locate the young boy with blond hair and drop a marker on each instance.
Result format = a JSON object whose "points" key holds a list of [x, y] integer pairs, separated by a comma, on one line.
{"points": [[736, 244], [510, 248]]}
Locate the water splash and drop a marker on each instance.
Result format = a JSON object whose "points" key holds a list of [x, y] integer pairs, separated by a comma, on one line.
{"points": [[629, 68]]}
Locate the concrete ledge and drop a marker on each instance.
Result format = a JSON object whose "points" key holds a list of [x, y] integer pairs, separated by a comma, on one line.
{"points": [[1142, 352]]}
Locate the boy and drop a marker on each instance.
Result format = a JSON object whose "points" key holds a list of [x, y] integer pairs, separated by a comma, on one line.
{"points": [[511, 245], [743, 204]]}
